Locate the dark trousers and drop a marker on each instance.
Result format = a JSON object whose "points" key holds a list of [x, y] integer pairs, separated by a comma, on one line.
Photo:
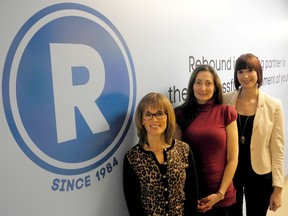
{"points": [[257, 190], [217, 211]]}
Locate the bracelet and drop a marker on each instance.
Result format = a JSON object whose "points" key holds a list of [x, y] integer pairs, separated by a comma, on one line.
{"points": [[220, 195]]}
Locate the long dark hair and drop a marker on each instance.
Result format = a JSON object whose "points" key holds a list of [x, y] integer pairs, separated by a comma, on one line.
{"points": [[190, 108]]}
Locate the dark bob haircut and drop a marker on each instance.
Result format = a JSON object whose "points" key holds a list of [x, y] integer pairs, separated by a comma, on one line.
{"points": [[251, 62]]}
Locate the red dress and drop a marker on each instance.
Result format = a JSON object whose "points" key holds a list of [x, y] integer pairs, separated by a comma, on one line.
{"points": [[207, 137]]}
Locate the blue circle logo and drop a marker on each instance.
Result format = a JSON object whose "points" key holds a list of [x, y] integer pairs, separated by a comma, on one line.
{"points": [[69, 88]]}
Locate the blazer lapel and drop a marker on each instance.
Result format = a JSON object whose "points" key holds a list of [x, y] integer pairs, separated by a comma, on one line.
{"points": [[232, 98], [260, 108]]}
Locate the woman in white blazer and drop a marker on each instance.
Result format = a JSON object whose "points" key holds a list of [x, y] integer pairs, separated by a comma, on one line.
{"points": [[259, 174]]}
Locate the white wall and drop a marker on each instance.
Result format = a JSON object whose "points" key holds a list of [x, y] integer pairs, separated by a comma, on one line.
{"points": [[160, 37]]}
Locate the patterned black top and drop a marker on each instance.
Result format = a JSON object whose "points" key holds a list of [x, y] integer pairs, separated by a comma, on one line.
{"points": [[165, 189]]}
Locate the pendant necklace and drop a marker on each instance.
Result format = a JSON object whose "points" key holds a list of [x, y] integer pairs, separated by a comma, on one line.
{"points": [[242, 138]]}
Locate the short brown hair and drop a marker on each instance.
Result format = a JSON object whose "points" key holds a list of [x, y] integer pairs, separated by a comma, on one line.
{"points": [[157, 101]]}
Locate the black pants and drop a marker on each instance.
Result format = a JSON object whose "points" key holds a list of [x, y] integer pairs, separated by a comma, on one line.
{"points": [[217, 211], [257, 190]]}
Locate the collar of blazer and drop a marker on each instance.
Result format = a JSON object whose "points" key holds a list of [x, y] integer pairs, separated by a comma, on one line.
{"points": [[235, 94], [260, 105]]}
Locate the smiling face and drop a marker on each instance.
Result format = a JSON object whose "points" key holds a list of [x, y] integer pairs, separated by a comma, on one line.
{"points": [[248, 66], [204, 87], [155, 126], [247, 78], [150, 122]]}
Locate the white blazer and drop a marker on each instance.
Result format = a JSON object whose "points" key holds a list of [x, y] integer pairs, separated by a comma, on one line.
{"points": [[267, 141]]}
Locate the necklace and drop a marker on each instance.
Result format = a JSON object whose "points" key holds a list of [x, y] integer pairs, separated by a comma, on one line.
{"points": [[155, 149], [242, 138]]}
